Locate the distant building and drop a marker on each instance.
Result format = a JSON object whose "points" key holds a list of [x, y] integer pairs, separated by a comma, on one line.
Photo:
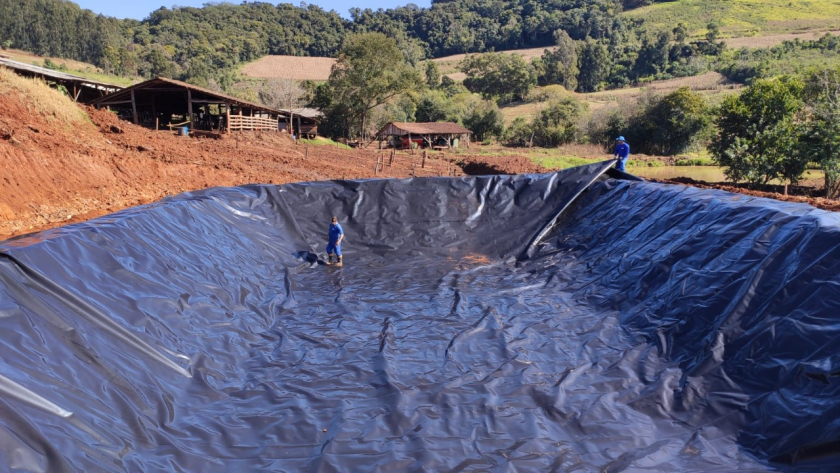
{"points": [[437, 135]]}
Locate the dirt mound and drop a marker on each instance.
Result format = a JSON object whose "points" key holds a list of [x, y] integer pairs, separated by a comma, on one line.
{"points": [[801, 194], [478, 165], [56, 172]]}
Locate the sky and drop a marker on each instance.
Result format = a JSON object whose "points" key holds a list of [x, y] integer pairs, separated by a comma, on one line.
{"points": [[140, 9]]}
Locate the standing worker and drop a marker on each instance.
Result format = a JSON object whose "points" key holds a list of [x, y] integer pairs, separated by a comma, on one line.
{"points": [[622, 152], [336, 235]]}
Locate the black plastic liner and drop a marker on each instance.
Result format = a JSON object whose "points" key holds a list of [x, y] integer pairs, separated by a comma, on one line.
{"points": [[559, 322]]}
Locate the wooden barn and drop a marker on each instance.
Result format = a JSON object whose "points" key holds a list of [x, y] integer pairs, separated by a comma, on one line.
{"points": [[162, 103], [80, 89], [437, 135]]}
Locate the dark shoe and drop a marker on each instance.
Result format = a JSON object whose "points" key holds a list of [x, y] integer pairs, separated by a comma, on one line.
{"points": [[340, 262], [330, 260]]}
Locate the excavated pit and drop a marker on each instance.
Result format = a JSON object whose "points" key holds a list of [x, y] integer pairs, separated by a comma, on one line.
{"points": [[561, 322]]}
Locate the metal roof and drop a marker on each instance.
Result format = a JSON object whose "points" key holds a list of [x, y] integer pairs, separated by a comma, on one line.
{"points": [[311, 113], [432, 128], [53, 74], [149, 84]]}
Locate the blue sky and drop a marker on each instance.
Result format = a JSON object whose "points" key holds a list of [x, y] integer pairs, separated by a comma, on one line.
{"points": [[139, 9]]}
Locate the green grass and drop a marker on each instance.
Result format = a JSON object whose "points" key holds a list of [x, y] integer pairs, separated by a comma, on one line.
{"points": [[742, 17], [321, 141]]}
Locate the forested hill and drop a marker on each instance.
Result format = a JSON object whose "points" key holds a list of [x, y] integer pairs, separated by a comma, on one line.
{"points": [[199, 44]]}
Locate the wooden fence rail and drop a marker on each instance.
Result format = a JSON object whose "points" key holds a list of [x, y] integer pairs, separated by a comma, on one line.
{"points": [[238, 123]]}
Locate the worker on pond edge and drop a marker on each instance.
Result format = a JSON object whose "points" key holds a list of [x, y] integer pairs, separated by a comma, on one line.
{"points": [[336, 235], [622, 152]]}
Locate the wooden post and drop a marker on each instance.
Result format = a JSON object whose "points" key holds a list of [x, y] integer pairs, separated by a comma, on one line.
{"points": [[393, 152], [423, 165], [154, 112], [134, 107], [227, 118], [189, 109], [410, 144], [306, 153]]}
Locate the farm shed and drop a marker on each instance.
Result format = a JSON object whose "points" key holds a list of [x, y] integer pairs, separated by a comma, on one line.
{"points": [[304, 121], [80, 89], [430, 135], [162, 102]]}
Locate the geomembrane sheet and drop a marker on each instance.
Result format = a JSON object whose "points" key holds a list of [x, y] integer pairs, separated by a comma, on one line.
{"points": [[573, 321]]}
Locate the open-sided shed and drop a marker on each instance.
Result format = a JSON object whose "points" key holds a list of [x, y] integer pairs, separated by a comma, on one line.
{"points": [[304, 121], [432, 134], [80, 89], [162, 102]]}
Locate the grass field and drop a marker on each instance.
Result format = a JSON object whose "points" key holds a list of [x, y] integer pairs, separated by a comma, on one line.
{"points": [[711, 85], [754, 42], [78, 68], [739, 18]]}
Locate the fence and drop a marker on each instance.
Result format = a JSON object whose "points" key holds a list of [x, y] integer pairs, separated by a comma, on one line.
{"points": [[239, 123]]}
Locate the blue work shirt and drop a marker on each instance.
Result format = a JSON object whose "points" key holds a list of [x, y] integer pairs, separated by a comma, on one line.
{"points": [[335, 232], [622, 150]]}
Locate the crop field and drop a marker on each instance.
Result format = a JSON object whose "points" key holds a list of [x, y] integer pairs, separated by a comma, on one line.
{"points": [[290, 67]]}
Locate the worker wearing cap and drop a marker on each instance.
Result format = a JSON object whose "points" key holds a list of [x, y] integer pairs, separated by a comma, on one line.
{"points": [[336, 235], [622, 152]]}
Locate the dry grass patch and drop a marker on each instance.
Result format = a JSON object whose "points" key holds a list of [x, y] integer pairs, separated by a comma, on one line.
{"points": [[41, 99], [769, 41], [290, 67]]}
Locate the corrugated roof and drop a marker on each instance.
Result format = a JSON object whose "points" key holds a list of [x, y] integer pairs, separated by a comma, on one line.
{"points": [[305, 112], [431, 128], [223, 98], [53, 74]]}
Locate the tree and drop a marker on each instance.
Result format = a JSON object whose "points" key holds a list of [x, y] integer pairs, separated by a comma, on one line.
{"points": [[821, 139], [369, 71], [285, 94], [557, 123], [432, 75], [505, 77], [433, 106], [560, 65], [485, 120], [594, 66], [758, 133], [675, 121]]}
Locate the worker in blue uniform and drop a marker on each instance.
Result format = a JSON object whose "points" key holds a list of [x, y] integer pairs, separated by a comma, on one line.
{"points": [[622, 152], [336, 236]]}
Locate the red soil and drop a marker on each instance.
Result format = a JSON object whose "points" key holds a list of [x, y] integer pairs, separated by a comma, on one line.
{"points": [[53, 175]]}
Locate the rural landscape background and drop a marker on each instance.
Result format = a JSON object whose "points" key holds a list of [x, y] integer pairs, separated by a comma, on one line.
{"points": [[542, 84]]}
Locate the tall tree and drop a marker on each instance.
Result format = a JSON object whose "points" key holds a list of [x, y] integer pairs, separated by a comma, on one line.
{"points": [[822, 136], [594, 65], [757, 138], [505, 77], [560, 65], [369, 71]]}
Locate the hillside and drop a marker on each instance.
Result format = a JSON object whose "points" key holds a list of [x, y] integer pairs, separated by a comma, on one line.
{"points": [[742, 18], [79, 68]]}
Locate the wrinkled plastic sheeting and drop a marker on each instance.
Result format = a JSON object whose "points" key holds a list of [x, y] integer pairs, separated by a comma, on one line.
{"points": [[566, 321]]}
